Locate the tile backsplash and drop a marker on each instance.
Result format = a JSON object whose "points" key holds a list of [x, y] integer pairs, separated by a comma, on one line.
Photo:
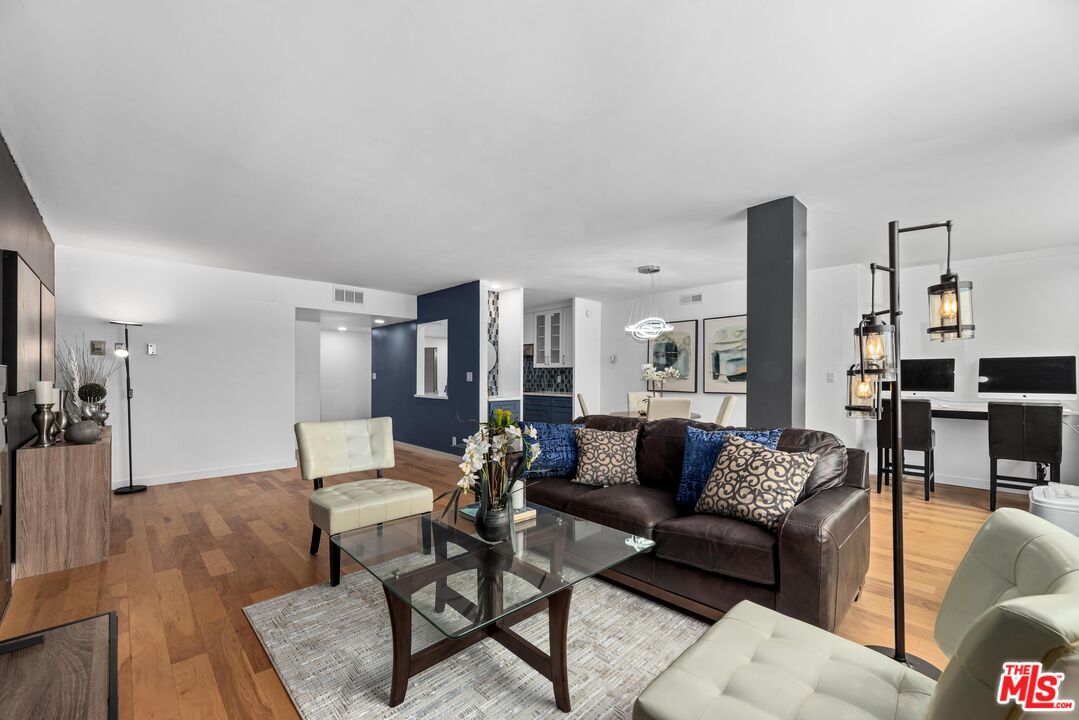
{"points": [[544, 379]]}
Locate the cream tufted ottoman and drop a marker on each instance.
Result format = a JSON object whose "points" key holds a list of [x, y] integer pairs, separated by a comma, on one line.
{"points": [[347, 446], [363, 503]]}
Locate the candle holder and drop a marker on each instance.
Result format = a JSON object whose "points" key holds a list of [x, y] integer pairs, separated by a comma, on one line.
{"points": [[43, 419]]}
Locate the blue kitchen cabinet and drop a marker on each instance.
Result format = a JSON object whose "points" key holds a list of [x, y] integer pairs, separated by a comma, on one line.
{"points": [[548, 408]]}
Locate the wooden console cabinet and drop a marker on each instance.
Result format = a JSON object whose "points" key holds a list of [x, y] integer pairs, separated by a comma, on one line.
{"points": [[62, 495]]}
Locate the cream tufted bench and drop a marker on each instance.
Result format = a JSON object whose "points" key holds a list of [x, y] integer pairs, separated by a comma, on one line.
{"points": [[346, 446], [1015, 596]]}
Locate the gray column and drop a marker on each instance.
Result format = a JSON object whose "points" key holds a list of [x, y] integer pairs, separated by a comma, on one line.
{"points": [[776, 305]]}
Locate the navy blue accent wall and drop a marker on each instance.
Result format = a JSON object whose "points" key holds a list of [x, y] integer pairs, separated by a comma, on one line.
{"points": [[424, 421]]}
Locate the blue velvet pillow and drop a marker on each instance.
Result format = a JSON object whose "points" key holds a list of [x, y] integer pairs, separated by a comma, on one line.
{"points": [[702, 449], [558, 450]]}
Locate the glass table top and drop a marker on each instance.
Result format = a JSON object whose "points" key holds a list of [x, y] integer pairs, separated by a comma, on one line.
{"points": [[460, 583]]}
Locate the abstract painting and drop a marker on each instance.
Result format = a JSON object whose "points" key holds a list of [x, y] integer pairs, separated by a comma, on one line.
{"points": [[677, 348], [725, 351]]}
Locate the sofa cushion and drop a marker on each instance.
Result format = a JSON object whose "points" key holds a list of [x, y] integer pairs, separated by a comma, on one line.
{"points": [[629, 508], [702, 450], [606, 457], [754, 483], [555, 492], [831, 468], [720, 545], [558, 450], [661, 449]]}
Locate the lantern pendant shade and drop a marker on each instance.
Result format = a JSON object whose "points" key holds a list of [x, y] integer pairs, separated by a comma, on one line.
{"points": [[863, 395], [874, 346], [951, 309]]}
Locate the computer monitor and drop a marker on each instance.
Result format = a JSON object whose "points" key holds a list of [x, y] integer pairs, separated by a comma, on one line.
{"points": [[1049, 377], [934, 377]]}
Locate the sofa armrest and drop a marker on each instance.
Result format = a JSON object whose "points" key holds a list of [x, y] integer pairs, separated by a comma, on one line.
{"points": [[824, 555], [857, 469]]}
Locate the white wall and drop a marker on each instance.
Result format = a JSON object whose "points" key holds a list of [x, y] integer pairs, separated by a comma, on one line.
{"points": [[835, 299], [587, 353], [624, 374], [510, 341], [345, 365], [1022, 306], [308, 372], [220, 396]]}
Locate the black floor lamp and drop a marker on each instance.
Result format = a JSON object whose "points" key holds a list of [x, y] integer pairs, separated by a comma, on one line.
{"points": [[124, 351], [951, 317]]}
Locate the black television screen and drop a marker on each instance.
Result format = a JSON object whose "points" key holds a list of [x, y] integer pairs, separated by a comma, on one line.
{"points": [[936, 375], [1050, 375]]}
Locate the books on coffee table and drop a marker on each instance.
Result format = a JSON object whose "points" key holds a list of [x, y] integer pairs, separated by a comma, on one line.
{"points": [[523, 515]]}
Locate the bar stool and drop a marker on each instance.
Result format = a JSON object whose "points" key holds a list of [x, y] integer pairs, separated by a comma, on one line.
{"points": [[918, 435], [1027, 433]]}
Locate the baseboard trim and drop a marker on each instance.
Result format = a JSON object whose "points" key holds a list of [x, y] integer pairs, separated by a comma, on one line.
{"points": [[428, 451], [208, 473]]}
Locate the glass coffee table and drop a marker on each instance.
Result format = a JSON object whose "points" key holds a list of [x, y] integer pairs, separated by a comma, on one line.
{"points": [[472, 590]]}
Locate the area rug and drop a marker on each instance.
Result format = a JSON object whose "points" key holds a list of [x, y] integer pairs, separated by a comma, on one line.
{"points": [[331, 648]]}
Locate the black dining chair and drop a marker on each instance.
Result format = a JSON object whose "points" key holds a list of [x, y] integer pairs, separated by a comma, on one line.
{"points": [[1027, 433], [918, 435]]}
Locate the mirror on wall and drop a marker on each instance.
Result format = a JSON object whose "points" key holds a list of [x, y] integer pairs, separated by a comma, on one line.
{"points": [[432, 358]]}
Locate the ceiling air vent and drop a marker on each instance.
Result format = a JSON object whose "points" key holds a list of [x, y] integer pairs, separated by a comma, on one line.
{"points": [[692, 299], [349, 296]]}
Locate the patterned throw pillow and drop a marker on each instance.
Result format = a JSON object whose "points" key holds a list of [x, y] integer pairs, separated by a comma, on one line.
{"points": [[702, 449], [753, 483], [606, 457], [558, 450]]}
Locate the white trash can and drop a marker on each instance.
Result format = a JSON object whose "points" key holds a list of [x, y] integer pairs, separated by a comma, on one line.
{"points": [[1057, 503]]}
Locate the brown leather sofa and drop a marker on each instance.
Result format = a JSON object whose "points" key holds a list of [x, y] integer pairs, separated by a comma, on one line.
{"points": [[812, 568]]}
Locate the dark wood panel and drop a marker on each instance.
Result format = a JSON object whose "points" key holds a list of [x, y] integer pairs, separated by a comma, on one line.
{"points": [[70, 674], [48, 335], [21, 227], [27, 328]]}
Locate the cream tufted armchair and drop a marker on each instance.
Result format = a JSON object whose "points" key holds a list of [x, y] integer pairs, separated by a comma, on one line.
{"points": [[348, 446], [1015, 596]]}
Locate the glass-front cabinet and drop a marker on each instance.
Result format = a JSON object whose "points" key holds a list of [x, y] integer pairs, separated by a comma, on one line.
{"points": [[553, 332]]}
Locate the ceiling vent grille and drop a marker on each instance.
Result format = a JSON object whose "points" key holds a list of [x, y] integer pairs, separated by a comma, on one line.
{"points": [[691, 299], [348, 296]]}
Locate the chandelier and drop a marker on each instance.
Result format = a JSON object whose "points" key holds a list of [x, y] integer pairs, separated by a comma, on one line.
{"points": [[646, 320]]}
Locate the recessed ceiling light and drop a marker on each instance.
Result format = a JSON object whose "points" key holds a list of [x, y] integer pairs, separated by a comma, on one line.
{"points": [[496, 286], [379, 321], [341, 328]]}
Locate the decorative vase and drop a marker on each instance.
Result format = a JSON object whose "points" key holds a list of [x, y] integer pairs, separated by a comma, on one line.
{"points": [[43, 421], [493, 526], [88, 410], [83, 433], [100, 416]]}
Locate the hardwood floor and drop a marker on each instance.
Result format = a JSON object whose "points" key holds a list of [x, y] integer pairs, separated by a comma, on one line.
{"points": [[186, 558]]}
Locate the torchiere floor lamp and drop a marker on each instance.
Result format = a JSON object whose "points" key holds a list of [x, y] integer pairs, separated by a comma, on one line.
{"points": [[125, 353], [951, 317]]}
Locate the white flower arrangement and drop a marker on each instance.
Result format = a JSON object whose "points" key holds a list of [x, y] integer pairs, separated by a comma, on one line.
{"points": [[487, 467], [650, 373]]}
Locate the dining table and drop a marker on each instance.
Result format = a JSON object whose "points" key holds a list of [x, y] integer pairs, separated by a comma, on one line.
{"points": [[630, 413]]}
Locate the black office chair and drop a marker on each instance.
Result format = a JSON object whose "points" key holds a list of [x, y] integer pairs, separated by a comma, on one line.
{"points": [[918, 435], [1027, 433]]}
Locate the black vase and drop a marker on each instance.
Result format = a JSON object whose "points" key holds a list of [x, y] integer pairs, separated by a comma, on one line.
{"points": [[494, 525]]}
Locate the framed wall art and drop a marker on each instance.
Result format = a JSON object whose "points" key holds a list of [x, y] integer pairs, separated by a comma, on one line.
{"points": [[725, 354], [677, 348]]}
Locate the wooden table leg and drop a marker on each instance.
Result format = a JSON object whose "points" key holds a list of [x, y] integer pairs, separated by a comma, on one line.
{"points": [[401, 623], [558, 615]]}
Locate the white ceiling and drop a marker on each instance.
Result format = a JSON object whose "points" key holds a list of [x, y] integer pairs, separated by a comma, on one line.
{"points": [[555, 144], [352, 322]]}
